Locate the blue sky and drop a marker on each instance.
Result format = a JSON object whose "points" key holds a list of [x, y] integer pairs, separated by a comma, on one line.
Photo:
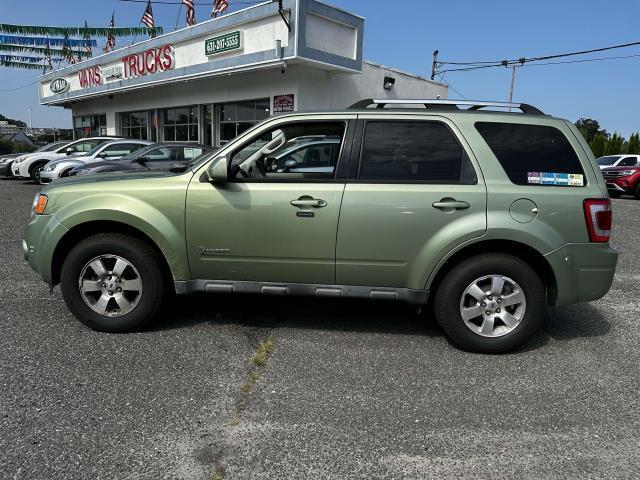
{"points": [[404, 33]]}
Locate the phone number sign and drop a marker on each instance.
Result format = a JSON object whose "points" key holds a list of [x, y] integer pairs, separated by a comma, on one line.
{"points": [[224, 43]]}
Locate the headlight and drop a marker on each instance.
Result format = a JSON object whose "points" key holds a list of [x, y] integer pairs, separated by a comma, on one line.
{"points": [[49, 168], [84, 171], [20, 159], [39, 204], [627, 173]]}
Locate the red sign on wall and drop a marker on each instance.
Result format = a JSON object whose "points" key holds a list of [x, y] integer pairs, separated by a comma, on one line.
{"points": [[283, 103], [150, 61]]}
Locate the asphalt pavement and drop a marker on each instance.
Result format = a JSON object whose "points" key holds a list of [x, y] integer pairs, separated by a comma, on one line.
{"points": [[351, 389]]}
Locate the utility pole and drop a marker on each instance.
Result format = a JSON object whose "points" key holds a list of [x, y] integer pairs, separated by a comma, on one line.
{"points": [[434, 64], [30, 123], [513, 80]]}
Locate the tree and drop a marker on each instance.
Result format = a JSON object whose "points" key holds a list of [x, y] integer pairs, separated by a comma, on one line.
{"points": [[589, 128], [614, 145], [598, 145], [634, 143]]}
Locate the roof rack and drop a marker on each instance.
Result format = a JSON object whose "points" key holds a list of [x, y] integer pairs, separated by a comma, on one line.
{"points": [[437, 104]]}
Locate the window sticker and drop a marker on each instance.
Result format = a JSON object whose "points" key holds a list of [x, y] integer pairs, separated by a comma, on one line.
{"points": [[559, 179]]}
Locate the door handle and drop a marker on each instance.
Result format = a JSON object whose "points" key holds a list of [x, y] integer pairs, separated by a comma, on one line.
{"points": [[450, 204], [309, 202]]}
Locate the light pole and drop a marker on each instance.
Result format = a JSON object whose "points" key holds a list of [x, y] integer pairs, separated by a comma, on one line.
{"points": [[30, 123]]}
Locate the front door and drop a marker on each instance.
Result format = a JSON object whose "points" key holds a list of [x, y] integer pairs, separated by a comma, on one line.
{"points": [[413, 195], [275, 220]]}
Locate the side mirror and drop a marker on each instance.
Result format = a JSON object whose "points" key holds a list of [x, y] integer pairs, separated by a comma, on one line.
{"points": [[218, 171], [69, 150], [142, 160], [102, 155], [290, 164]]}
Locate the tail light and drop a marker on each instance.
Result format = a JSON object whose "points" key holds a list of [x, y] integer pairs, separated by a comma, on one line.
{"points": [[597, 213]]}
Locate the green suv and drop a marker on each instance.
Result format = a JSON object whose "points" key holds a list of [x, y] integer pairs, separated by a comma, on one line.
{"points": [[487, 215]]}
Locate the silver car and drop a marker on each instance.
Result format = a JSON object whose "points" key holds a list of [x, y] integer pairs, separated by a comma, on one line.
{"points": [[112, 150]]}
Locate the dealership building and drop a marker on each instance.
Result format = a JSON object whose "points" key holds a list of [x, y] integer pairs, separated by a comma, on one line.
{"points": [[209, 82]]}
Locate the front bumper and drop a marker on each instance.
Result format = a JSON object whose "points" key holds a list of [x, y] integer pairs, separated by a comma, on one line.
{"points": [[5, 169], [48, 177], [622, 184], [583, 271], [15, 168], [42, 235]]}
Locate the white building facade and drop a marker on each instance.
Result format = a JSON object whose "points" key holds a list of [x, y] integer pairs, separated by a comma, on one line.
{"points": [[210, 82]]}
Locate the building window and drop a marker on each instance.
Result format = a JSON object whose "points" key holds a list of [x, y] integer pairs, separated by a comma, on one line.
{"points": [[134, 124], [238, 117], [180, 124], [89, 126]]}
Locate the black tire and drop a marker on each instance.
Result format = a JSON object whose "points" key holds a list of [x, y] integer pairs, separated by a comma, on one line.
{"points": [[35, 170], [637, 192], [450, 291], [615, 194], [65, 173], [140, 255]]}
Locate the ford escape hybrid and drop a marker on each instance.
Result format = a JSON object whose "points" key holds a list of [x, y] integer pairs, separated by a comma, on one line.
{"points": [[488, 215]]}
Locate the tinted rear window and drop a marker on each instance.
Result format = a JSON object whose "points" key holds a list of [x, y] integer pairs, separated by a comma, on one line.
{"points": [[424, 152], [524, 149]]}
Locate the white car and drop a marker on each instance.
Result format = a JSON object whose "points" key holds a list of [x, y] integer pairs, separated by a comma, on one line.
{"points": [[618, 161], [112, 150], [31, 164]]}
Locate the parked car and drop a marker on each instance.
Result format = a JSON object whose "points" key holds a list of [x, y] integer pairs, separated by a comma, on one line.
{"points": [[103, 152], [492, 215], [623, 180], [30, 165], [6, 161], [618, 161], [158, 156]]}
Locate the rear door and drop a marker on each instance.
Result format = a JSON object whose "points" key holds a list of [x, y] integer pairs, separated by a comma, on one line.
{"points": [[414, 192]]}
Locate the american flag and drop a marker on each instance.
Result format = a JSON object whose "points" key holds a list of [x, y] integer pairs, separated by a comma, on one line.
{"points": [[191, 12], [111, 40], [67, 52], [147, 16], [219, 7], [87, 40]]}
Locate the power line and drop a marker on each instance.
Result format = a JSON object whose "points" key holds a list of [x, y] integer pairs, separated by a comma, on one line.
{"points": [[178, 3], [18, 88], [470, 66]]}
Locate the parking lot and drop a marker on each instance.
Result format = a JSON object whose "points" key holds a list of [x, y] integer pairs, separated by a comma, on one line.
{"points": [[350, 389]]}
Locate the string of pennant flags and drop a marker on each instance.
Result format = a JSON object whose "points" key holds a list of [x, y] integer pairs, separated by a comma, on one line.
{"points": [[52, 44]]}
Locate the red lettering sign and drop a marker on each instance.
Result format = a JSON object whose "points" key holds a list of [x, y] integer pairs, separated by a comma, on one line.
{"points": [[150, 61], [90, 77]]}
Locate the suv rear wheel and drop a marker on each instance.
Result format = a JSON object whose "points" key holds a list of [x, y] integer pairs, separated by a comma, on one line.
{"points": [[112, 282], [490, 303]]}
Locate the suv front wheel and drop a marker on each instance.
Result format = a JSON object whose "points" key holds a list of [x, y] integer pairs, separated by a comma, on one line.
{"points": [[112, 282], [490, 303]]}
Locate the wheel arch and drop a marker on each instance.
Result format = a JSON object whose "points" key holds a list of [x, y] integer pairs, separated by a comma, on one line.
{"points": [[510, 247], [34, 163], [88, 229]]}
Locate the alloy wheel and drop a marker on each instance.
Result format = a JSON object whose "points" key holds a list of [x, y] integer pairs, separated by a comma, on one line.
{"points": [[493, 305], [110, 285]]}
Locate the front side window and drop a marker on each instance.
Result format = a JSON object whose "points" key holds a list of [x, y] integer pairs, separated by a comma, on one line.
{"points": [[628, 162], [163, 154], [301, 151], [180, 124], [533, 154], [407, 151]]}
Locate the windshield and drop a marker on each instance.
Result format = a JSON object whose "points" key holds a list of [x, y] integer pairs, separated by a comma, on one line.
{"points": [[608, 160], [94, 150], [51, 146]]}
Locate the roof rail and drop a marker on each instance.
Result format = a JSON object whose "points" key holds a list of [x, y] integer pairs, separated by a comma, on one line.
{"points": [[437, 104]]}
